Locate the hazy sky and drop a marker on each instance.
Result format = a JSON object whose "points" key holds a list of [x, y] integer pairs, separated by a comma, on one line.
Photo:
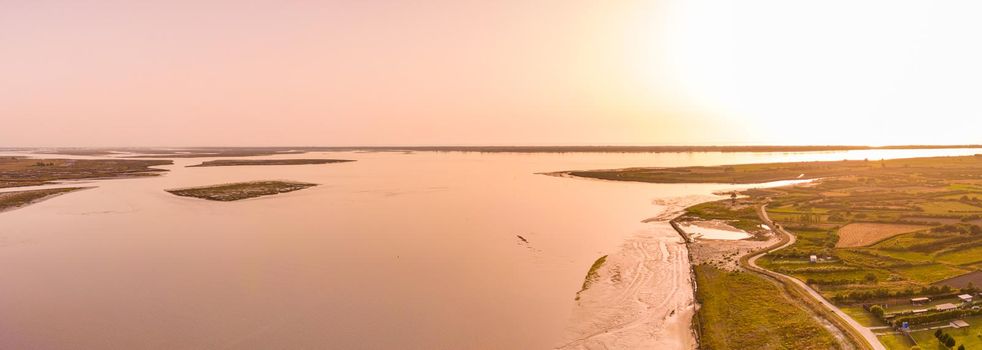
{"points": [[456, 72]]}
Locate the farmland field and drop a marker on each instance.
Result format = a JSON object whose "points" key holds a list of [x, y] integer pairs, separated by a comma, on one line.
{"points": [[930, 273], [896, 342], [863, 233], [968, 336], [962, 257]]}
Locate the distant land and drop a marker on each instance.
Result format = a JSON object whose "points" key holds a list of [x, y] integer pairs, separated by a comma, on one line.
{"points": [[203, 152], [260, 162]]}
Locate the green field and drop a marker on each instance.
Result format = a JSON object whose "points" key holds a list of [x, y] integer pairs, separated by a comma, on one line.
{"points": [[930, 273], [863, 317], [740, 310], [962, 257], [948, 207], [970, 336], [897, 342]]}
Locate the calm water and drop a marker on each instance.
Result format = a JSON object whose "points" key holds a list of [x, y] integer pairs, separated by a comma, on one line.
{"points": [[395, 251]]}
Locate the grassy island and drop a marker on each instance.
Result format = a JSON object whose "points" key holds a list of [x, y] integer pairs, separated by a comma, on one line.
{"points": [[247, 162], [22, 171], [18, 199], [241, 190]]}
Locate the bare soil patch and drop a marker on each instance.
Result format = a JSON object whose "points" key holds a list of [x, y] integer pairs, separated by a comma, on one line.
{"points": [[962, 281], [863, 234]]}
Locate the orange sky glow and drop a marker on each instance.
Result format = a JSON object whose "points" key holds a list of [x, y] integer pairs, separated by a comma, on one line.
{"points": [[324, 73]]}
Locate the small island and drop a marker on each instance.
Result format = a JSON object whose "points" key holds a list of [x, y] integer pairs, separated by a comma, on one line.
{"points": [[244, 162], [18, 199], [240, 190]]}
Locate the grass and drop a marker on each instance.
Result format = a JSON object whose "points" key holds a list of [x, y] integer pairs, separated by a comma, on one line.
{"points": [[740, 310], [896, 342], [592, 275], [962, 257], [17, 199], [248, 162], [929, 273], [948, 207], [758, 173], [241, 190], [970, 336], [20, 171], [736, 213], [860, 315]]}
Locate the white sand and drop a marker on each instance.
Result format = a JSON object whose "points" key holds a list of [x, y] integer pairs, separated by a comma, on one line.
{"points": [[713, 230]]}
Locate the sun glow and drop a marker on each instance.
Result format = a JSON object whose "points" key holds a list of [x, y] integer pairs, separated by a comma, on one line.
{"points": [[842, 72]]}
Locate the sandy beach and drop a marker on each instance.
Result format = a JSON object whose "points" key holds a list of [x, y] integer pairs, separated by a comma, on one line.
{"points": [[643, 296]]}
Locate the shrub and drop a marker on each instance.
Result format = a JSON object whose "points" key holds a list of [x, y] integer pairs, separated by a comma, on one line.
{"points": [[877, 311]]}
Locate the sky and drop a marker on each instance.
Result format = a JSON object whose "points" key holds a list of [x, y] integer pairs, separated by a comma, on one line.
{"points": [[504, 72]]}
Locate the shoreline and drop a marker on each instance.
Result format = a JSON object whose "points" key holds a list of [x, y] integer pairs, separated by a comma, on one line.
{"points": [[644, 296], [670, 323]]}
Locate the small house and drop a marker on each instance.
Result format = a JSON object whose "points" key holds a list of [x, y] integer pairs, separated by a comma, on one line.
{"points": [[813, 259], [967, 298], [920, 301], [946, 307], [919, 311]]}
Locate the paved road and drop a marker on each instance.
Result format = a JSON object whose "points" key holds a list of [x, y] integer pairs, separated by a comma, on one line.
{"points": [[863, 330]]}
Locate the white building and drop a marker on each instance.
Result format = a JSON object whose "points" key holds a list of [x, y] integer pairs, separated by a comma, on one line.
{"points": [[946, 307], [813, 259], [919, 301], [965, 298]]}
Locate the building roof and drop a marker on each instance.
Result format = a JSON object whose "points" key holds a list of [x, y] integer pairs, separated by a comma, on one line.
{"points": [[946, 306], [965, 296], [959, 324], [920, 299]]}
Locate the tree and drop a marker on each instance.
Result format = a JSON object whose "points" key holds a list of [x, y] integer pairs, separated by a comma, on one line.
{"points": [[950, 342], [871, 278], [961, 347], [733, 197], [938, 333], [877, 311]]}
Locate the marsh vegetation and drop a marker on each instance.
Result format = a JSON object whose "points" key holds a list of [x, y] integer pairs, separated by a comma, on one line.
{"points": [[253, 162], [240, 190], [23, 171], [17, 199]]}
